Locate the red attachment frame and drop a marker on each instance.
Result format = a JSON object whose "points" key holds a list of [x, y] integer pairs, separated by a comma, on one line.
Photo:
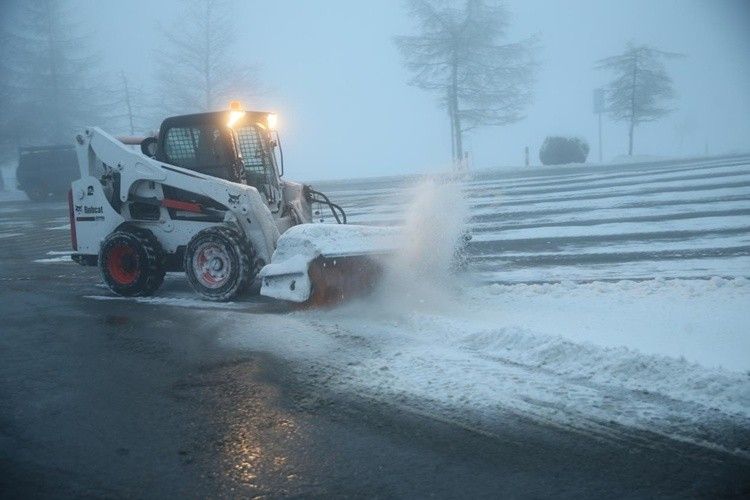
{"points": [[187, 206], [73, 236]]}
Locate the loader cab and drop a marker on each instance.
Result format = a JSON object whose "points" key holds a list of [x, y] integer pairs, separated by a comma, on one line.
{"points": [[242, 152]]}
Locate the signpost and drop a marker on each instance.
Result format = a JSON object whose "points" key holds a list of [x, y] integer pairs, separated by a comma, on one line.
{"points": [[599, 109]]}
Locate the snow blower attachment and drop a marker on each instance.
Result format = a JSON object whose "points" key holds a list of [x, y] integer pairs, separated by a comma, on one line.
{"points": [[207, 197], [322, 264]]}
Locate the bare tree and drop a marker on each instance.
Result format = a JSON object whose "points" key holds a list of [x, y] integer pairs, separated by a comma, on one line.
{"points": [[130, 109], [197, 70], [49, 82], [456, 54], [641, 87]]}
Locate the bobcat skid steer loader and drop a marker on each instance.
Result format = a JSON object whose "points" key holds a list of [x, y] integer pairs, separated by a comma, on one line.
{"points": [[206, 196]]}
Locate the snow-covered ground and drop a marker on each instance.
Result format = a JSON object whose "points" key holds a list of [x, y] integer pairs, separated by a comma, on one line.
{"points": [[668, 357], [596, 295], [597, 299], [676, 219]]}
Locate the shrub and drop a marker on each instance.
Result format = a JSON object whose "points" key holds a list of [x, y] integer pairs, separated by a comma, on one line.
{"points": [[561, 150]]}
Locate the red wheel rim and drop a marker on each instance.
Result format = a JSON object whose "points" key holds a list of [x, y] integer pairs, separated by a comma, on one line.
{"points": [[122, 264], [212, 265]]}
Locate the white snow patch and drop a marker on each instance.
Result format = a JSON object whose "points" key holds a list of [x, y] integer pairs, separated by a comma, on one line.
{"points": [[171, 301], [638, 159], [331, 240], [51, 260], [662, 356]]}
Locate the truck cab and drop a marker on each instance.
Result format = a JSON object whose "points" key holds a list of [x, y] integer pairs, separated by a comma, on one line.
{"points": [[45, 172]]}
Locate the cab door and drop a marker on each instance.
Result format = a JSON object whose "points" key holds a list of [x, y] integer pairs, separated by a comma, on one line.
{"points": [[260, 165]]}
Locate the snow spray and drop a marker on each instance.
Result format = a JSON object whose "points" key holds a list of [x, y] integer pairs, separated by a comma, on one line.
{"points": [[433, 235]]}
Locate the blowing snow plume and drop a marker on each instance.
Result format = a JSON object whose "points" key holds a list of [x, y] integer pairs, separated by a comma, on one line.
{"points": [[432, 240]]}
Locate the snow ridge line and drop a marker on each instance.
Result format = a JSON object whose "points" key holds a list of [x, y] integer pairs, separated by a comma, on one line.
{"points": [[674, 378]]}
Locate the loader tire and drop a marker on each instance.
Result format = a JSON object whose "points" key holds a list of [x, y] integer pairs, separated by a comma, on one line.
{"points": [[132, 262], [219, 263]]}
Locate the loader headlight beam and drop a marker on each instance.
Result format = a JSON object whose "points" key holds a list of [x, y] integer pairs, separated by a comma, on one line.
{"points": [[272, 119], [234, 116]]}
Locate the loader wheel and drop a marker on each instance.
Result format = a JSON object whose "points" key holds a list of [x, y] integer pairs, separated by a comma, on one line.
{"points": [[132, 262], [219, 263]]}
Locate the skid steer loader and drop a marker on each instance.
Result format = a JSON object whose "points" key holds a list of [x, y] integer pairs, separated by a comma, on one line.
{"points": [[206, 196]]}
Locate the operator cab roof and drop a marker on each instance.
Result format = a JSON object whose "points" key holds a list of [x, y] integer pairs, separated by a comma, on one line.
{"points": [[214, 117]]}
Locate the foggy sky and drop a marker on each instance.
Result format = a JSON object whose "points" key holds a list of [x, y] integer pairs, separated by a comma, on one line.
{"points": [[331, 71]]}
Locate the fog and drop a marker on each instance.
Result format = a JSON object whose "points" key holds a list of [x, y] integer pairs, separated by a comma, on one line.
{"points": [[333, 73]]}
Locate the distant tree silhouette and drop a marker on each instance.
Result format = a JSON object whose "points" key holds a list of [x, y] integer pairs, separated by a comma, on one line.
{"points": [[457, 55], [196, 68], [129, 107], [49, 76], [641, 88]]}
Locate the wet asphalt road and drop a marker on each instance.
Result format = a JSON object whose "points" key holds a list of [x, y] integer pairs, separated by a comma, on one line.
{"points": [[117, 399]]}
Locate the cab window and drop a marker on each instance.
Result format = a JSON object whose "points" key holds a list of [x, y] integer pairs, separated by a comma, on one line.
{"points": [[200, 148], [256, 157]]}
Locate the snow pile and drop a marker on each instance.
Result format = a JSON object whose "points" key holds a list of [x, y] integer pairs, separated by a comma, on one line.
{"points": [[332, 240], [701, 320], [667, 356], [616, 367]]}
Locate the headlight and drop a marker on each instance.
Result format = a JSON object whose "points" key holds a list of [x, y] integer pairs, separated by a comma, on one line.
{"points": [[234, 116], [272, 120]]}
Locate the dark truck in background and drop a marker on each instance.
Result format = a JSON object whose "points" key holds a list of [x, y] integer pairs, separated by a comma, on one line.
{"points": [[45, 172]]}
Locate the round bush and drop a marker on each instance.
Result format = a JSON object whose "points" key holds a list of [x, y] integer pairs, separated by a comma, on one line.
{"points": [[561, 150]]}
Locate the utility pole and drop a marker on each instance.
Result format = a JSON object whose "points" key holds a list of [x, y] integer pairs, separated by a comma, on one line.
{"points": [[599, 108]]}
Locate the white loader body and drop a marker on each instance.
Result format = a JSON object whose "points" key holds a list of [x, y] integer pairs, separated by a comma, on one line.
{"points": [[144, 177], [122, 217]]}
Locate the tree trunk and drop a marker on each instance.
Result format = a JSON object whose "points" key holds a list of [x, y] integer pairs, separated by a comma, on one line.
{"points": [[55, 102], [630, 136], [458, 148], [632, 105], [453, 131], [128, 104], [207, 60]]}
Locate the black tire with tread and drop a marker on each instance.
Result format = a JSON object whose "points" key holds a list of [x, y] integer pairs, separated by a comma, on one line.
{"points": [[243, 258], [150, 258]]}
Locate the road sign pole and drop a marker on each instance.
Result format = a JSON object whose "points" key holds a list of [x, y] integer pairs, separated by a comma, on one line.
{"points": [[599, 108], [600, 137]]}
